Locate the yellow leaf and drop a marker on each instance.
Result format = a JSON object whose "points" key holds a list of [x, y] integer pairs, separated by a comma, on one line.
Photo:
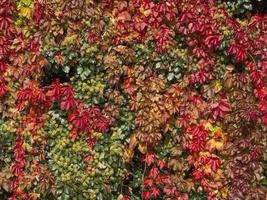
{"points": [[218, 86], [120, 197], [147, 12], [142, 147], [70, 39], [128, 155], [91, 49], [224, 192], [35, 196], [208, 126], [133, 141], [26, 12], [213, 144], [205, 153]]}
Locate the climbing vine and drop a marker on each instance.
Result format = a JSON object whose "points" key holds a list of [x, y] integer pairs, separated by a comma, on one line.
{"points": [[136, 99]]}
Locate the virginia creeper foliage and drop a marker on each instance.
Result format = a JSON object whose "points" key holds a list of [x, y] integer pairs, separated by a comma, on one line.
{"points": [[133, 99]]}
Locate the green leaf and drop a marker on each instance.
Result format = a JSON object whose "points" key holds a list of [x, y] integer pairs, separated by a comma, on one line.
{"points": [[158, 65], [79, 70], [170, 76], [66, 69]]}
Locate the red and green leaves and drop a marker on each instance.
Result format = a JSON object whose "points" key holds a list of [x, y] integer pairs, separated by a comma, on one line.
{"points": [[176, 74]]}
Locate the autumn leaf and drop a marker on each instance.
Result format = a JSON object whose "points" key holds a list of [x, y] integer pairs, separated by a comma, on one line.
{"points": [[149, 158], [213, 144], [148, 182], [142, 147]]}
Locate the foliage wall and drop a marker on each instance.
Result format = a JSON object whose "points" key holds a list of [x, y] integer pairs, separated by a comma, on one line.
{"points": [[136, 99]]}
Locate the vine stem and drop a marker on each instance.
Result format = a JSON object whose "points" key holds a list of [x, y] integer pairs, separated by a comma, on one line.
{"points": [[254, 61], [143, 177]]}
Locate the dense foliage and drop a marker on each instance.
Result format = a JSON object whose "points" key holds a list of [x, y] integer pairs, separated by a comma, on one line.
{"points": [[136, 99]]}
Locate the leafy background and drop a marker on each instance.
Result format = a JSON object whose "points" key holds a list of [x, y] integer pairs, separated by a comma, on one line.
{"points": [[133, 99]]}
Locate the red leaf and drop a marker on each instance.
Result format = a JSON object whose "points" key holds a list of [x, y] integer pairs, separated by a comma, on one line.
{"points": [[164, 179], [154, 172], [140, 26], [197, 174], [148, 182], [67, 92], [3, 66], [125, 197], [37, 13], [20, 106], [155, 191], [256, 77], [91, 142], [79, 120], [224, 106], [239, 51], [263, 106], [100, 124], [73, 134], [149, 158], [264, 119], [220, 109], [161, 164], [55, 92], [3, 89], [40, 96], [169, 190], [67, 104], [146, 194], [214, 163], [17, 169], [124, 16], [25, 94], [212, 41], [261, 93], [255, 154]]}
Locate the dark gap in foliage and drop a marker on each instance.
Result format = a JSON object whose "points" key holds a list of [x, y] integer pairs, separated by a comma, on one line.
{"points": [[4, 194], [60, 37], [54, 72], [188, 173], [239, 68], [259, 7]]}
